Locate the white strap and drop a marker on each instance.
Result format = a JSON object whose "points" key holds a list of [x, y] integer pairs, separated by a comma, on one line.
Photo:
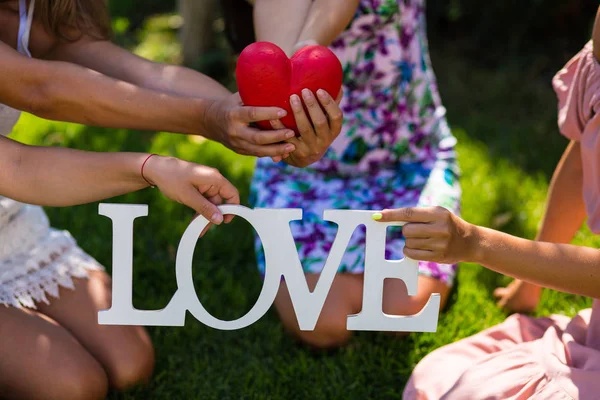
{"points": [[25, 23]]}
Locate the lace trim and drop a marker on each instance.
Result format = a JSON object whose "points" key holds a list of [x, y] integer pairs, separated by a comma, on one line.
{"points": [[36, 260], [8, 209], [23, 232], [32, 286]]}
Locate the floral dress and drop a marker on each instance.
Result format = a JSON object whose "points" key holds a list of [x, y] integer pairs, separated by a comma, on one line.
{"points": [[395, 150]]}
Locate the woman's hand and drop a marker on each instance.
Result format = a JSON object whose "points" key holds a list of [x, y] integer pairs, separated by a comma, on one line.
{"points": [[227, 121], [317, 132], [199, 187], [433, 234]]}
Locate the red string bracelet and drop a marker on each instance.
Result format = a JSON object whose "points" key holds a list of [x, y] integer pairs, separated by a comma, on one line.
{"points": [[142, 170]]}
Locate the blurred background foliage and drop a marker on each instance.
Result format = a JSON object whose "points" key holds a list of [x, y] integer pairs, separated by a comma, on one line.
{"points": [[536, 36], [488, 31]]}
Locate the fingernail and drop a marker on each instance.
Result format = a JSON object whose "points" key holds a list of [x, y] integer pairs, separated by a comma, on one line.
{"points": [[216, 218], [282, 113], [377, 216], [306, 93], [295, 100], [289, 149], [290, 134], [321, 93]]}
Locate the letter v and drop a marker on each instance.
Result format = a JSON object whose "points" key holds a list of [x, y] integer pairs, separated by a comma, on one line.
{"points": [[307, 305]]}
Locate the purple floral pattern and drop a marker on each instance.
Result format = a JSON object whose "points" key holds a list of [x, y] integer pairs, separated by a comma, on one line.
{"points": [[395, 150]]}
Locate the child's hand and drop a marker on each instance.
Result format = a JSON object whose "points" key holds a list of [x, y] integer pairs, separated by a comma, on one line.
{"points": [[519, 296], [433, 234], [316, 133], [199, 187], [228, 122]]}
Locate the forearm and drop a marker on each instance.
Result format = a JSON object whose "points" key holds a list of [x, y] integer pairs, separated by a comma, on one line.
{"points": [[280, 22], [563, 267], [111, 60], [182, 81], [565, 194], [327, 19], [94, 99], [51, 176]]}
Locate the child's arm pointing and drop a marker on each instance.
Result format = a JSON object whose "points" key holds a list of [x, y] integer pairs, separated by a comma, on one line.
{"points": [[435, 234]]}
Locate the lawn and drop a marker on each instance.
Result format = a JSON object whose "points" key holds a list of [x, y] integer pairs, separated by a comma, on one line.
{"points": [[505, 121]]}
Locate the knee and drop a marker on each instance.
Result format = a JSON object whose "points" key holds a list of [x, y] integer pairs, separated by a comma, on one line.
{"points": [[327, 335], [409, 306], [131, 365], [85, 382]]}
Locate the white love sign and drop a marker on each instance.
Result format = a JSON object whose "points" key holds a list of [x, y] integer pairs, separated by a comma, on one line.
{"points": [[273, 228]]}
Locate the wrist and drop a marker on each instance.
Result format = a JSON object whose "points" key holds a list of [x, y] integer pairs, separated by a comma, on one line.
{"points": [[201, 120], [474, 236], [127, 169], [144, 173]]}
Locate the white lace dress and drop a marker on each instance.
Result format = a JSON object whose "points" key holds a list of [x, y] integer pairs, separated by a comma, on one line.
{"points": [[35, 260]]}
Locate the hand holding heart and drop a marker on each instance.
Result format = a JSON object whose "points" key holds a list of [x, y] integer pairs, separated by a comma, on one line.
{"points": [[228, 120], [267, 77]]}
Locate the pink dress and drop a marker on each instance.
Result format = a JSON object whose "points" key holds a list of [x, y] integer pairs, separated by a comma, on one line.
{"points": [[543, 358]]}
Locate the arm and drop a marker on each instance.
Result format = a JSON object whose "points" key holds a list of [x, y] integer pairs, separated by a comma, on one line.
{"points": [[435, 234], [326, 20], [51, 176], [562, 267], [68, 92], [306, 22], [111, 60], [280, 22], [565, 194]]}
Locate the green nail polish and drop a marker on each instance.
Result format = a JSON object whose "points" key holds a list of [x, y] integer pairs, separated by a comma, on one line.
{"points": [[377, 216]]}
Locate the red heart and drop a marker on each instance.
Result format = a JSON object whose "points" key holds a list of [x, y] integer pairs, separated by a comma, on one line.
{"points": [[266, 77]]}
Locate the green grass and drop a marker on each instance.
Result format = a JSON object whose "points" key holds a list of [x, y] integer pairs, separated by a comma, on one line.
{"points": [[509, 144]]}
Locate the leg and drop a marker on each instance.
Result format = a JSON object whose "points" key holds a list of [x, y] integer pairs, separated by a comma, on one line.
{"points": [[344, 299], [125, 352], [396, 300], [39, 359]]}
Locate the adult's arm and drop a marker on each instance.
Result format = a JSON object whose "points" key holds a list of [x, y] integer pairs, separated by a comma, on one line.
{"points": [[54, 176], [281, 22], [326, 20], [111, 60], [307, 22], [69, 92]]}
